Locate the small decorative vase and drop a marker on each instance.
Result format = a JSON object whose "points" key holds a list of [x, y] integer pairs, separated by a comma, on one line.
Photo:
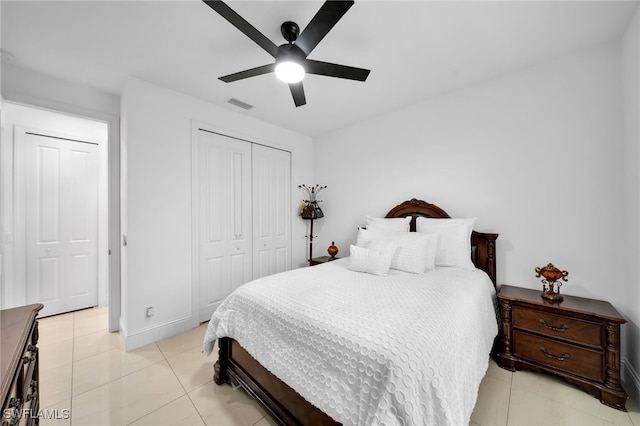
{"points": [[552, 281], [332, 250]]}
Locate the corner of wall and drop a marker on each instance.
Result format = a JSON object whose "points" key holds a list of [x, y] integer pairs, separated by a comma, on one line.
{"points": [[631, 107], [631, 380]]}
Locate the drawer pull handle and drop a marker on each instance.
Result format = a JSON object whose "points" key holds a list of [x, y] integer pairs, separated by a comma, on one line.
{"points": [[550, 327], [562, 357]]}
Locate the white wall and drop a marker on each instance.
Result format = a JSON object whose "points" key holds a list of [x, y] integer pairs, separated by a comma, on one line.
{"points": [[34, 88], [536, 155], [631, 297], [156, 136]]}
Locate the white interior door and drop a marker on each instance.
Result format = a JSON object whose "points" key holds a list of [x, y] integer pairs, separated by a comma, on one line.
{"points": [[271, 210], [61, 223], [224, 218]]}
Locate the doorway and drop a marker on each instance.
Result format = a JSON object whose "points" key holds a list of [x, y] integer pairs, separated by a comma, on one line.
{"points": [[56, 210]]}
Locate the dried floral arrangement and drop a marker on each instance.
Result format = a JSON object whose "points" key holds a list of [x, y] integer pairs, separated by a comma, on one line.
{"points": [[309, 208]]}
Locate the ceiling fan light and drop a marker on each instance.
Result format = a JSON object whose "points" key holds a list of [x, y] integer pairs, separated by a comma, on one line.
{"points": [[289, 72]]}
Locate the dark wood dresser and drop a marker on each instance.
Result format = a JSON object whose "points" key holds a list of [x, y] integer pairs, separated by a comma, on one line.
{"points": [[19, 365], [577, 338]]}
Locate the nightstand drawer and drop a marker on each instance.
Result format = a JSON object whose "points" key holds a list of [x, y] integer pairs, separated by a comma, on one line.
{"points": [[573, 359], [558, 326]]}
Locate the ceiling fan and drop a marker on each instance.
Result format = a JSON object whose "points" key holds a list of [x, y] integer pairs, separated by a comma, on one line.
{"points": [[291, 62]]}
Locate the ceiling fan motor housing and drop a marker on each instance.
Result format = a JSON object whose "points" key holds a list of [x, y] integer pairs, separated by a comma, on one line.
{"points": [[290, 31], [290, 53]]}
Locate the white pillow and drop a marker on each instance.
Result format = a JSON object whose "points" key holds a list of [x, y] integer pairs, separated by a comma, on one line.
{"points": [[454, 244], [399, 224], [371, 261], [415, 252]]}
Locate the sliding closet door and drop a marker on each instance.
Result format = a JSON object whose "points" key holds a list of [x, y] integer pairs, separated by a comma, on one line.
{"points": [[271, 211], [224, 218]]}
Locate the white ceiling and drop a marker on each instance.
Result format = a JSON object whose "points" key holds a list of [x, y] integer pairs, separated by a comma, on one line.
{"points": [[415, 49]]}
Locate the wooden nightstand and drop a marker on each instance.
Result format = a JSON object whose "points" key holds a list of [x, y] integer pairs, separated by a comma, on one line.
{"points": [[321, 259], [578, 339]]}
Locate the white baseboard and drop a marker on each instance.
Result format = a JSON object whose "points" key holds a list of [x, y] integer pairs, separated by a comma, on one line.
{"points": [[155, 332], [631, 380]]}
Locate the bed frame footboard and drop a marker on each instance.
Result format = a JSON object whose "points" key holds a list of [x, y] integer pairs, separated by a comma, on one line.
{"points": [[237, 367]]}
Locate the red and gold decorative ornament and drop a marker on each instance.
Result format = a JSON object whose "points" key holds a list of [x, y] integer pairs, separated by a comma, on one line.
{"points": [[333, 249], [551, 281]]}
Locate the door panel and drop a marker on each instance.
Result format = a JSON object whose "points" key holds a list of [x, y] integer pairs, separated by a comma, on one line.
{"points": [[214, 289], [224, 218], [45, 173], [61, 223], [48, 279], [272, 210]]}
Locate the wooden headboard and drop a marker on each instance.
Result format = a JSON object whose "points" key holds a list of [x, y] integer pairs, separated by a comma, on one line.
{"points": [[483, 245]]}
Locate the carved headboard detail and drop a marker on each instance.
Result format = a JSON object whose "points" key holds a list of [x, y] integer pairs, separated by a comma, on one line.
{"points": [[483, 245]]}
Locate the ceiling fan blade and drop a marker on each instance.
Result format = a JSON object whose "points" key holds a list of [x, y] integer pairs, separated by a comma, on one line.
{"points": [[328, 15], [240, 23], [264, 69], [335, 70], [297, 91]]}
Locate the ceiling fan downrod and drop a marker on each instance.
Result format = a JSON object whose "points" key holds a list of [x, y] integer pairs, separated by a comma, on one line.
{"points": [[290, 31]]}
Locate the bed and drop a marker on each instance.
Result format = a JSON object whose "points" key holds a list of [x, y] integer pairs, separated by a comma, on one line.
{"points": [[366, 354]]}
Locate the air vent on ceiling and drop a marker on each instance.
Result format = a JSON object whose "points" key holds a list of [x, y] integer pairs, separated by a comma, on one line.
{"points": [[239, 103]]}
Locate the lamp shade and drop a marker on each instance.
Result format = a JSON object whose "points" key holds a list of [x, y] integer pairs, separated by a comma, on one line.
{"points": [[289, 72], [289, 64], [311, 210]]}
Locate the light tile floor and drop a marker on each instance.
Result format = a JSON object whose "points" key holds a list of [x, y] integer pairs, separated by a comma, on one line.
{"points": [[85, 372]]}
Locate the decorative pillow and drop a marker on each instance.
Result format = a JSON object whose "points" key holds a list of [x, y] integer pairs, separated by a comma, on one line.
{"points": [[400, 224], [372, 261], [415, 252], [454, 244]]}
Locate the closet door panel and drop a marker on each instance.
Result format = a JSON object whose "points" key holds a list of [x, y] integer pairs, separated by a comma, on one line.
{"points": [[282, 207], [224, 218], [212, 236], [214, 283], [262, 212], [240, 204], [272, 210]]}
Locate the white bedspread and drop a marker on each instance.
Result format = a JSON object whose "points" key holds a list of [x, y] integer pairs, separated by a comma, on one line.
{"points": [[403, 349]]}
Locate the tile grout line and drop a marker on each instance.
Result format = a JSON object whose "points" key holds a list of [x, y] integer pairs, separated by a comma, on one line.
{"points": [[183, 388], [174, 373], [509, 400], [116, 379], [73, 346]]}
